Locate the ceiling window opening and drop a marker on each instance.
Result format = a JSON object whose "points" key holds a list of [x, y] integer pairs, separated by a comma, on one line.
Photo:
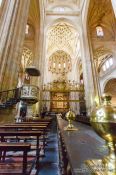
{"points": [[59, 65], [104, 67], [99, 31], [27, 29], [61, 9], [54, 65], [108, 63], [111, 61]]}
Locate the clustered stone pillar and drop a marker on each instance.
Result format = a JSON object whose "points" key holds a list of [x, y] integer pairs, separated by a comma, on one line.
{"points": [[12, 33], [88, 75], [41, 53]]}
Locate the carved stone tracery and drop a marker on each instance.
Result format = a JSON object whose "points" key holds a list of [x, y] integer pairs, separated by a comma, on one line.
{"points": [[60, 62]]}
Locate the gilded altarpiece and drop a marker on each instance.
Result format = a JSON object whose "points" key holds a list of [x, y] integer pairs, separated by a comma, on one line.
{"points": [[59, 101]]}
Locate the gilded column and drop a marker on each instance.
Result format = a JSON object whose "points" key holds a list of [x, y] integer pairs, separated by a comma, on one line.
{"points": [[12, 33]]}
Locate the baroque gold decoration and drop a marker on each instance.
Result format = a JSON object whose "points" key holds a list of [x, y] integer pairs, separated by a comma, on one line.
{"points": [[60, 62], [103, 120], [70, 116], [63, 86], [59, 101]]}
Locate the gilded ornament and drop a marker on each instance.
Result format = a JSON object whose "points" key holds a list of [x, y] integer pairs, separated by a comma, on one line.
{"points": [[103, 120], [70, 116]]}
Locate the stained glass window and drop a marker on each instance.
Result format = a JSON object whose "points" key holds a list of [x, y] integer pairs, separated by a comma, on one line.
{"points": [[99, 31]]}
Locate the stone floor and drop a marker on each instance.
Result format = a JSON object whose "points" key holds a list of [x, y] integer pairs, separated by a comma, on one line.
{"points": [[49, 165]]}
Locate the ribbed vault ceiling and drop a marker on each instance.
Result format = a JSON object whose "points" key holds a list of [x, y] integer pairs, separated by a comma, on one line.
{"points": [[62, 36]]}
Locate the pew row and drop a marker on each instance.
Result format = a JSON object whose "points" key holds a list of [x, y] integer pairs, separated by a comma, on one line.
{"points": [[15, 166]]}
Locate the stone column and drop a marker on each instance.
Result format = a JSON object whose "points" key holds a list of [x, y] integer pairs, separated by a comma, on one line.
{"points": [[12, 33], [89, 73], [41, 48]]}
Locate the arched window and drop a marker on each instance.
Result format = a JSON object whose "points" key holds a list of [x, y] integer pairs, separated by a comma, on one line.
{"points": [[108, 63], [27, 29], [99, 31], [61, 9]]}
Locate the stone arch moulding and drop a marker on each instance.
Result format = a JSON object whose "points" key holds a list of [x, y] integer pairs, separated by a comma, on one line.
{"points": [[62, 6], [101, 54], [85, 11], [107, 80], [70, 6], [65, 20]]}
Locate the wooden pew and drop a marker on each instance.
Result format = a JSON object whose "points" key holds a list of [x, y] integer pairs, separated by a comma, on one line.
{"points": [[35, 123], [16, 127], [40, 120], [24, 126], [42, 123], [42, 128], [23, 133], [15, 168], [39, 126]]}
